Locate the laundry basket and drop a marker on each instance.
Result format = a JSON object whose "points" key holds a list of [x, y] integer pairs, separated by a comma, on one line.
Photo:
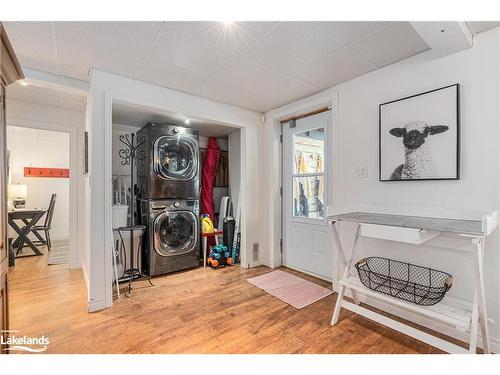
{"points": [[420, 285]]}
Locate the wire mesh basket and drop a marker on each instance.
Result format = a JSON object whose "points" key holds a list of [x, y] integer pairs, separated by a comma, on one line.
{"points": [[420, 285]]}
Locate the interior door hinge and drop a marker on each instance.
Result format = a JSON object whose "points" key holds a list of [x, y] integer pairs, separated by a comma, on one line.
{"points": [[281, 245], [281, 191], [281, 138]]}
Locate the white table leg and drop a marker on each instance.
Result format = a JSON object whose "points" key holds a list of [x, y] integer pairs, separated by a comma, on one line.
{"points": [[347, 271], [474, 324], [338, 306], [343, 258], [481, 296], [204, 251], [338, 245]]}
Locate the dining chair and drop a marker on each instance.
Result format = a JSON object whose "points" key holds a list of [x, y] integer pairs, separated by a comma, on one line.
{"points": [[47, 226]]}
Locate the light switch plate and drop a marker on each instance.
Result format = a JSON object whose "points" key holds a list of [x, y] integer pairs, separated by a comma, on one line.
{"points": [[361, 171]]}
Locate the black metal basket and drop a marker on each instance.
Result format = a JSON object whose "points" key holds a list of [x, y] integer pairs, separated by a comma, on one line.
{"points": [[420, 285]]}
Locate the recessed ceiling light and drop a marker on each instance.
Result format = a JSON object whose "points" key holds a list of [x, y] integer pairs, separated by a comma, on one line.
{"points": [[187, 122], [23, 83]]}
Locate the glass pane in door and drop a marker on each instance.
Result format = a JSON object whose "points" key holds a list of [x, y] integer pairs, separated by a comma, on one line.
{"points": [[174, 232], [308, 197], [309, 148], [176, 158]]}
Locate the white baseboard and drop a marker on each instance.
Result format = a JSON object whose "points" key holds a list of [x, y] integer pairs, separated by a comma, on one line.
{"points": [[328, 279], [264, 262], [418, 319], [96, 305], [92, 305], [86, 278], [59, 237]]}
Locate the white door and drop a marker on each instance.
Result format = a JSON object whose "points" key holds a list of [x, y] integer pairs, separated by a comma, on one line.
{"points": [[306, 244]]}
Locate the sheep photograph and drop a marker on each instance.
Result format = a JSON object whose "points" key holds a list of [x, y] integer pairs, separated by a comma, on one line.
{"points": [[419, 136]]}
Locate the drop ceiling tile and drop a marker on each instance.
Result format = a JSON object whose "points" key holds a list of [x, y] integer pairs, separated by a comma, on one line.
{"points": [[110, 34], [75, 59], [350, 31], [37, 25], [117, 47], [174, 77], [177, 55], [390, 44], [33, 47], [263, 82], [290, 47], [334, 68], [233, 38], [479, 26], [46, 96], [232, 94]]}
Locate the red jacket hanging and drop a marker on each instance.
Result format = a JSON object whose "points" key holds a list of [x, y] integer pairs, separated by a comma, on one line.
{"points": [[209, 173]]}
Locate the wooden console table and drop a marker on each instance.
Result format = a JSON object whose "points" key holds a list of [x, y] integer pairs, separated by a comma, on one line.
{"points": [[418, 230]]}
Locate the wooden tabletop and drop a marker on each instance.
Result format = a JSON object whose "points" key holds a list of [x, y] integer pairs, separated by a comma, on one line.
{"points": [[24, 212], [472, 227]]}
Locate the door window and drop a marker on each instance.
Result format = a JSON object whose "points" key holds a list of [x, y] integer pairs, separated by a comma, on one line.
{"points": [[308, 174], [175, 232], [175, 158]]}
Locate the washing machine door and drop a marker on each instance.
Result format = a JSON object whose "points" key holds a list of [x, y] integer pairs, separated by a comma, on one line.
{"points": [[175, 157], [175, 232]]}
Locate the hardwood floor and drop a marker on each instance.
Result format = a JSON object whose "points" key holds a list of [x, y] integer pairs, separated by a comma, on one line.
{"points": [[196, 311]]}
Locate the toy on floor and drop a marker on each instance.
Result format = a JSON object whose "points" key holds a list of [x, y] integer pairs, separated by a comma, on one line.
{"points": [[219, 257]]}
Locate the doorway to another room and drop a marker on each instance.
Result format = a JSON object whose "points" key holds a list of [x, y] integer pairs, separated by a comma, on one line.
{"points": [[168, 173], [39, 197]]}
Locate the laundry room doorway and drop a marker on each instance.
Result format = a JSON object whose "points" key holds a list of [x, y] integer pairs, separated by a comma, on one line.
{"points": [[306, 240], [169, 208]]}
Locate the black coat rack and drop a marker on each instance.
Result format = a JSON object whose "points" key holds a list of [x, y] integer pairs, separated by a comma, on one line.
{"points": [[132, 155]]}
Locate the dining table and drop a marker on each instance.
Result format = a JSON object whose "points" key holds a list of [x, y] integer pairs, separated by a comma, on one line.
{"points": [[23, 220]]}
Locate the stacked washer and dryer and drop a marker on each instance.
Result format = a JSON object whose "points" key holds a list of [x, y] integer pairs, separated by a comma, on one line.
{"points": [[168, 184]]}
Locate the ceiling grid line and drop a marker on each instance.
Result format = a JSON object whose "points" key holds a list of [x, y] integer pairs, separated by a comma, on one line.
{"points": [[53, 40], [239, 54], [253, 65], [150, 47]]}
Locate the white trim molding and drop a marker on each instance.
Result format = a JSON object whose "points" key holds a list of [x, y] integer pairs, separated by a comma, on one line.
{"points": [[75, 179]]}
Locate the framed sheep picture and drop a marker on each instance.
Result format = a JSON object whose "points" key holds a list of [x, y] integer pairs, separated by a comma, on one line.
{"points": [[419, 136]]}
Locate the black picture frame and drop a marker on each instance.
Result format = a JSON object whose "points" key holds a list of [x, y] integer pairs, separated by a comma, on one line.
{"points": [[458, 133]]}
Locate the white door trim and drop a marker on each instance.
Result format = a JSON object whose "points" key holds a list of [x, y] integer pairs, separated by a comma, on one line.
{"points": [[75, 180], [309, 123], [272, 135]]}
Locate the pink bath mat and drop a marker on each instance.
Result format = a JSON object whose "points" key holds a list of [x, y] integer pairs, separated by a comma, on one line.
{"points": [[289, 288]]}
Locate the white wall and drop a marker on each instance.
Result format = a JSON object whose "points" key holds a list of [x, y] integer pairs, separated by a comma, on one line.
{"points": [[46, 149], [106, 87], [355, 142]]}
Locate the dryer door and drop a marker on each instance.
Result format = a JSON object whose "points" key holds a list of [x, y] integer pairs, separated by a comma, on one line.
{"points": [[175, 232], [175, 157]]}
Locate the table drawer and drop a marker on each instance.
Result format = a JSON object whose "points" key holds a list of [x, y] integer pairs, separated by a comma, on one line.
{"points": [[408, 235]]}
